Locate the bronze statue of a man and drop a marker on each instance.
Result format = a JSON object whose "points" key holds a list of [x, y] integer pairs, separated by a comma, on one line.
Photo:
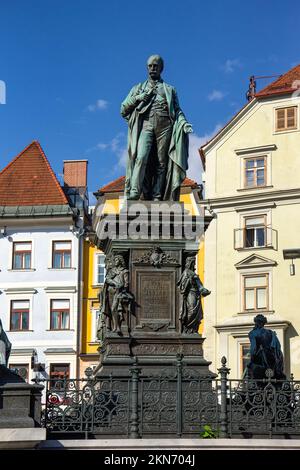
{"points": [[157, 138], [265, 351]]}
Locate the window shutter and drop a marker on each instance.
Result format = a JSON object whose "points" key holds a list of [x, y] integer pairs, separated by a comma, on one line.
{"points": [[238, 238], [280, 121], [291, 117]]}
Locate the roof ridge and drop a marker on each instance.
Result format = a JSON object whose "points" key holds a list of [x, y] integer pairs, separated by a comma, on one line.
{"points": [[38, 156], [51, 170], [269, 90], [278, 82], [15, 158]]}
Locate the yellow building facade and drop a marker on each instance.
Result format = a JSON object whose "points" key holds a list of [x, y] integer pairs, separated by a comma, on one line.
{"points": [[253, 195], [94, 268]]}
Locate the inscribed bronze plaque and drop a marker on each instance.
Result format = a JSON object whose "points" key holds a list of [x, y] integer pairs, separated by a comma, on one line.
{"points": [[155, 292], [155, 299]]}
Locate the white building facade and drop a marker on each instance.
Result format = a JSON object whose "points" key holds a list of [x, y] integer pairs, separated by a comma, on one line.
{"points": [[41, 275]]}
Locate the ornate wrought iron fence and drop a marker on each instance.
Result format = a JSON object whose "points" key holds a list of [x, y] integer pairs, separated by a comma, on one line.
{"points": [[87, 406], [264, 407], [177, 402]]}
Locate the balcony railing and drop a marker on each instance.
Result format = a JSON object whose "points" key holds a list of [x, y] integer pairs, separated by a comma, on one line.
{"points": [[242, 240]]}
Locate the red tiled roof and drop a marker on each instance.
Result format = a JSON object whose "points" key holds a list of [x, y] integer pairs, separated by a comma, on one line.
{"points": [[285, 84], [115, 186], [28, 180], [118, 185], [189, 182]]}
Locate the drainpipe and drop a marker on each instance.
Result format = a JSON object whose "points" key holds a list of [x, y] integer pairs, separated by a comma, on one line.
{"points": [[79, 300]]}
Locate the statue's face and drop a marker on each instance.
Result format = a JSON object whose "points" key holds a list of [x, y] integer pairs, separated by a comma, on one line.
{"points": [[117, 262], [154, 69]]}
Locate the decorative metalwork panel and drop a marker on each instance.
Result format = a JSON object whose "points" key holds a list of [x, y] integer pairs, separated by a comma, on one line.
{"points": [[87, 405], [264, 407], [200, 405], [159, 404]]}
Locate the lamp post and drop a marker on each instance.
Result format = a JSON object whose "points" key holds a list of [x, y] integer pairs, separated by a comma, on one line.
{"points": [[291, 253]]}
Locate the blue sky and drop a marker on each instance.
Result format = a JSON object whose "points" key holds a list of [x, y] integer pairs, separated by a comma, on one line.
{"points": [[68, 65]]}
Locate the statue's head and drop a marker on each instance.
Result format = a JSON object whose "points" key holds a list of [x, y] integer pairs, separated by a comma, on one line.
{"points": [[119, 261], [190, 263], [109, 262], [155, 65], [260, 320]]}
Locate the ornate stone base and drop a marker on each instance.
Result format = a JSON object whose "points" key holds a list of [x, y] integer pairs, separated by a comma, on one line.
{"points": [[152, 353], [152, 330], [20, 401]]}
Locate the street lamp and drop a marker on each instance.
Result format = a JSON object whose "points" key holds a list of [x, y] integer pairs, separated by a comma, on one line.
{"points": [[291, 254]]}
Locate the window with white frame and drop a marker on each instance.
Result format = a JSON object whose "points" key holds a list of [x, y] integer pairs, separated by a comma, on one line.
{"points": [[22, 255], [255, 231], [286, 118], [256, 292], [60, 314], [61, 254], [19, 315], [255, 171], [95, 319], [99, 272]]}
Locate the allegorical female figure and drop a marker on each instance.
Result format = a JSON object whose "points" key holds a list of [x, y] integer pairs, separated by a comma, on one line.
{"points": [[192, 290]]}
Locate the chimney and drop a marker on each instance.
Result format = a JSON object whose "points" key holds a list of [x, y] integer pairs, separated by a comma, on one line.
{"points": [[75, 173]]}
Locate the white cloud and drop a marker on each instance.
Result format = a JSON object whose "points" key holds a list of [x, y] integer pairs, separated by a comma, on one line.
{"points": [[101, 146], [195, 142], [230, 65], [216, 95], [118, 146], [100, 104], [122, 154]]}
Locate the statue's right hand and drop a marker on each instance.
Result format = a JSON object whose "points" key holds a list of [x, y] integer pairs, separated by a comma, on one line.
{"points": [[144, 96]]}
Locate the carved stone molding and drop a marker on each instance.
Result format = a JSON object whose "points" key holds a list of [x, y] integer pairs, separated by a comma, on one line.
{"points": [[155, 257], [155, 326]]}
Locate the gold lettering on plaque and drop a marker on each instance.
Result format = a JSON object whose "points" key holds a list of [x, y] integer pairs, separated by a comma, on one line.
{"points": [[156, 297]]}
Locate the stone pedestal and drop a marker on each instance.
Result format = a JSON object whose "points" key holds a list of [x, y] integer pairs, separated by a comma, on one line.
{"points": [[152, 335], [20, 402]]}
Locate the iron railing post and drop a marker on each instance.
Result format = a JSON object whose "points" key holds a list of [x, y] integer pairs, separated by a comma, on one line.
{"points": [[179, 394], [134, 402], [223, 371]]}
